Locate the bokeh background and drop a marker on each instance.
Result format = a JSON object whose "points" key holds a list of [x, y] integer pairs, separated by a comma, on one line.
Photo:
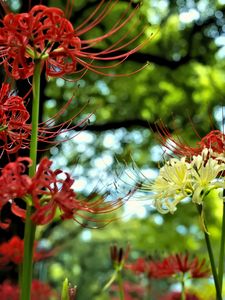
{"points": [[183, 86]]}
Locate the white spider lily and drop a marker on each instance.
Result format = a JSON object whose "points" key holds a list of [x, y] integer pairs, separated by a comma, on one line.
{"points": [[205, 176], [179, 179], [172, 185]]}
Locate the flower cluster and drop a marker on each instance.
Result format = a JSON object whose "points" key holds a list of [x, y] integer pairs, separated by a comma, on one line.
{"points": [[39, 41], [185, 177], [45, 34], [47, 191]]}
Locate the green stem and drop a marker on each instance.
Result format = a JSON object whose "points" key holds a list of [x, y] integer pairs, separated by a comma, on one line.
{"points": [[30, 227], [120, 283], [211, 257], [35, 116], [183, 296], [222, 246]]}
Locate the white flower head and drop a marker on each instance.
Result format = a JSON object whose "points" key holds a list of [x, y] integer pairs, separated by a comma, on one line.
{"points": [[171, 186], [179, 179]]}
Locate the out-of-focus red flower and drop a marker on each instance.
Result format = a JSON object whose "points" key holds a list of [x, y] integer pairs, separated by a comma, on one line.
{"points": [[42, 291], [152, 268], [214, 140], [9, 291], [177, 296], [139, 266], [39, 291], [45, 34], [132, 291], [171, 265], [180, 263], [197, 268], [13, 120], [12, 251]]}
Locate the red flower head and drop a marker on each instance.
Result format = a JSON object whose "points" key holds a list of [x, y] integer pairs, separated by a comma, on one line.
{"points": [[180, 263], [215, 141], [15, 131], [196, 268], [45, 34], [12, 251], [171, 265], [152, 268], [49, 192], [13, 118], [140, 266]]}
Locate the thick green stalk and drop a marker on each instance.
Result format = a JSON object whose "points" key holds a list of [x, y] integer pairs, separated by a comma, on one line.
{"points": [[211, 257], [120, 283], [183, 296], [35, 116], [29, 235], [221, 255]]}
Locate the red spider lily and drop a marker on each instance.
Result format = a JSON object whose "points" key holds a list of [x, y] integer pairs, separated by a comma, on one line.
{"points": [[13, 119], [140, 266], [171, 265], [40, 291], [15, 131], [196, 268], [47, 192], [12, 251], [161, 269], [177, 296], [45, 34], [215, 140], [180, 263], [152, 268]]}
